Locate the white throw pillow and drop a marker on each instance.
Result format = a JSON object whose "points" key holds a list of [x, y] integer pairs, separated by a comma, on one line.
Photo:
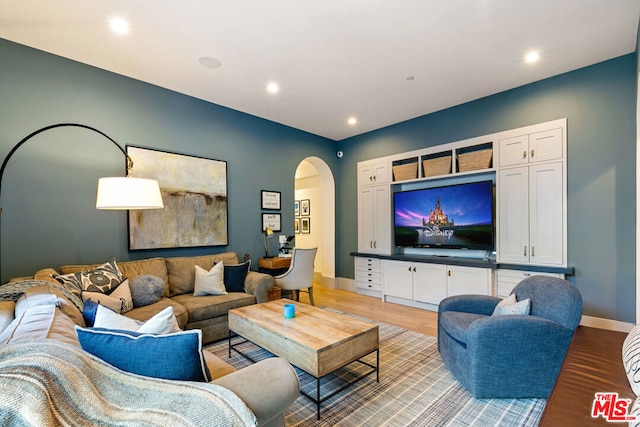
{"points": [[162, 323], [631, 358], [210, 282], [510, 305]]}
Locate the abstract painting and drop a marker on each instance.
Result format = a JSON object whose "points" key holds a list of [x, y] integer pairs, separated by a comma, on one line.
{"points": [[194, 192]]}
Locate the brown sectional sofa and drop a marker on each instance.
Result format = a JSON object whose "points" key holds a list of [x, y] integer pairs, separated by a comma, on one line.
{"points": [[267, 388], [207, 313]]}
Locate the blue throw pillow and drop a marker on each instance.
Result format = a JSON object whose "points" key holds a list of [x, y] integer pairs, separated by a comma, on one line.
{"points": [[89, 311], [234, 276], [176, 356]]}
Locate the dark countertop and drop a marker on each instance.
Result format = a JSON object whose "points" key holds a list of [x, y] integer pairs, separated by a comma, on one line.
{"points": [[466, 262]]}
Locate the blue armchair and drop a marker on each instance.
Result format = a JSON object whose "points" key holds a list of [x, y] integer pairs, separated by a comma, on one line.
{"points": [[509, 356]]}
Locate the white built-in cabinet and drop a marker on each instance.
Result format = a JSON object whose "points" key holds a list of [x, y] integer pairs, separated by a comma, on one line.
{"points": [[374, 209], [431, 283], [529, 168], [532, 199]]}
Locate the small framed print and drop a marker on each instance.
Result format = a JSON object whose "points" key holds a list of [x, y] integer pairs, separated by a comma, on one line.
{"points": [[296, 208], [296, 225], [270, 200], [305, 225], [271, 220], [305, 207]]}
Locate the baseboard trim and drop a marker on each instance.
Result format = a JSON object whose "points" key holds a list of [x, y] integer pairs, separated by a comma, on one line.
{"points": [[602, 323]]}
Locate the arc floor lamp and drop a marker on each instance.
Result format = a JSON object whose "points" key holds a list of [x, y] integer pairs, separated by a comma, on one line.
{"points": [[115, 193]]}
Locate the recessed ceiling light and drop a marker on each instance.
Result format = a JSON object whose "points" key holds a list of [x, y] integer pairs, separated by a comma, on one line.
{"points": [[532, 57], [352, 121], [273, 88], [210, 62], [119, 25], [411, 78]]}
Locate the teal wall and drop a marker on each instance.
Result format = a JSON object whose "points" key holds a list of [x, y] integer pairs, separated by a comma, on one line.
{"points": [[48, 191], [599, 103]]}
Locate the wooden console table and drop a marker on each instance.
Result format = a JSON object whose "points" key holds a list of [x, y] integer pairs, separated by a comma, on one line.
{"points": [[274, 265]]}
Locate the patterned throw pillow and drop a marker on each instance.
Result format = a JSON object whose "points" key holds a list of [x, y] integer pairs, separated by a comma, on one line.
{"points": [[102, 279], [631, 358], [118, 299]]}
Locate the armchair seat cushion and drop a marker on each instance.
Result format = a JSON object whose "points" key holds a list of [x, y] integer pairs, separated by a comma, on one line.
{"points": [[457, 324]]}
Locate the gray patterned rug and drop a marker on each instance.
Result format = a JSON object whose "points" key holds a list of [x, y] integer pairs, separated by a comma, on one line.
{"points": [[415, 389]]}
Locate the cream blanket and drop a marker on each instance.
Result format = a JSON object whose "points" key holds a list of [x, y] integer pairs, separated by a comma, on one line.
{"points": [[49, 383]]}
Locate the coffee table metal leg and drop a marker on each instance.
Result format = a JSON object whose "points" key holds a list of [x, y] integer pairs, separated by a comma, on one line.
{"points": [[318, 398]]}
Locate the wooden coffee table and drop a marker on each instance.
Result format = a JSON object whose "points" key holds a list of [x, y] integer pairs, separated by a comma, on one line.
{"points": [[317, 341]]}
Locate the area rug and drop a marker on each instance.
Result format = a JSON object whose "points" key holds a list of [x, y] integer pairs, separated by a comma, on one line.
{"points": [[415, 389]]}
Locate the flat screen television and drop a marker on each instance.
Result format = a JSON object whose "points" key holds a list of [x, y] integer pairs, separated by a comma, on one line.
{"points": [[453, 216]]}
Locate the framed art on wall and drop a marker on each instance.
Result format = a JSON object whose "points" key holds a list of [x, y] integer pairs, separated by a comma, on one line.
{"points": [[296, 225], [296, 208], [271, 220], [270, 200], [305, 225], [305, 207], [194, 192]]}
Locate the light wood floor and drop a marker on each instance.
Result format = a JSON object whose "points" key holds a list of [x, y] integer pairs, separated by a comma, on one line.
{"points": [[414, 319]]}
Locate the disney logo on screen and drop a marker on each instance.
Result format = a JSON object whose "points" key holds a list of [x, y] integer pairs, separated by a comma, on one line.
{"points": [[435, 231]]}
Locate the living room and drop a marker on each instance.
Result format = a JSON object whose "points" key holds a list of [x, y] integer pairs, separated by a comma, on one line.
{"points": [[48, 217]]}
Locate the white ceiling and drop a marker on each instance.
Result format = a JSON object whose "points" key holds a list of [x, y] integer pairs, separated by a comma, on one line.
{"points": [[333, 59]]}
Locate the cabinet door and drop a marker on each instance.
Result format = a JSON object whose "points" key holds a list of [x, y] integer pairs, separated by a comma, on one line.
{"points": [[381, 173], [398, 279], [382, 220], [506, 280], [365, 219], [546, 214], [365, 175], [468, 280], [514, 151], [513, 215], [430, 282], [545, 145]]}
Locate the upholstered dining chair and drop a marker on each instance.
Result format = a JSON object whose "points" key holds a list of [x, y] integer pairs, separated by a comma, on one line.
{"points": [[510, 355], [299, 276]]}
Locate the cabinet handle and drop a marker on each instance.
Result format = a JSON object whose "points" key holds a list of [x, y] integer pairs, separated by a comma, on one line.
{"points": [[371, 244], [375, 244], [533, 153], [414, 269], [525, 250], [374, 178], [524, 154], [371, 179], [533, 251], [409, 269], [449, 273]]}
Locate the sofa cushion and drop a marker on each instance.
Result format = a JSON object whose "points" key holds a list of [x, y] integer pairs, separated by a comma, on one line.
{"points": [[456, 323], [209, 282], [234, 276], [209, 306], [41, 322], [176, 356], [44, 294], [181, 270], [146, 289], [146, 312]]}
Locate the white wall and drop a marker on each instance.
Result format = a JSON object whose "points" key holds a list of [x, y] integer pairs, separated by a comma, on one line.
{"points": [[308, 186]]}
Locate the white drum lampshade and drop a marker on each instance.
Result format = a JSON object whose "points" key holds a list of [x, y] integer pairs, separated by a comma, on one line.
{"points": [[123, 193]]}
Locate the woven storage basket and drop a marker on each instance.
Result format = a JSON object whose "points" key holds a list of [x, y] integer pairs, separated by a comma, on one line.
{"points": [[406, 171], [475, 160], [437, 166]]}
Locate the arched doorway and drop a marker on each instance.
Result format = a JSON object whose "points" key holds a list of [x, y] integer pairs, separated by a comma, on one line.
{"points": [[314, 182]]}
